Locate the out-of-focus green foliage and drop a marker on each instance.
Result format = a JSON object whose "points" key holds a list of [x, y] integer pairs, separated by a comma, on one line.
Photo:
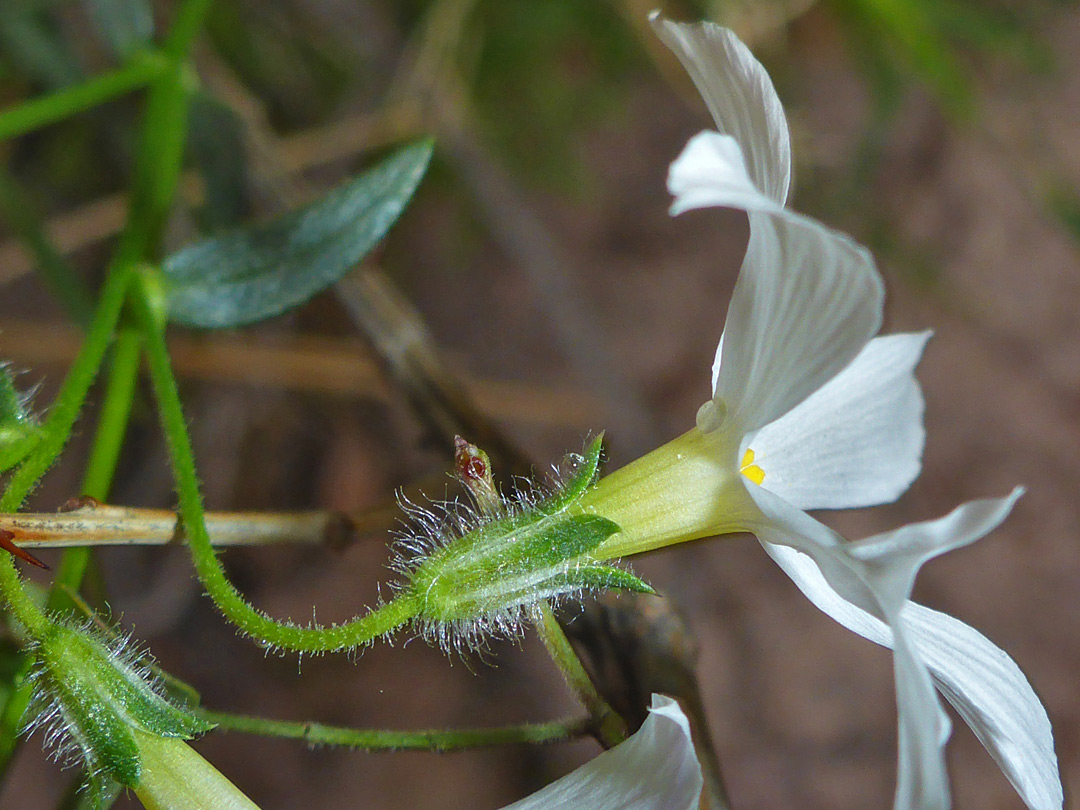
{"points": [[931, 42], [216, 146], [32, 43], [276, 51], [127, 26], [545, 74]]}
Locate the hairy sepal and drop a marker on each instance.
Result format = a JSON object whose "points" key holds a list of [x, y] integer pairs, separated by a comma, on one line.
{"points": [[497, 565], [509, 562], [90, 694]]}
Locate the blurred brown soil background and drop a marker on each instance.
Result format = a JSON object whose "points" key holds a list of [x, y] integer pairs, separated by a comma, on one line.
{"points": [[803, 712]]}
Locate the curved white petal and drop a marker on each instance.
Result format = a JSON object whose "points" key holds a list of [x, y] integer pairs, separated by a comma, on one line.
{"points": [[923, 727], [711, 172], [992, 695], [891, 560], [980, 680], [922, 782], [740, 96], [807, 300], [858, 440], [655, 769]]}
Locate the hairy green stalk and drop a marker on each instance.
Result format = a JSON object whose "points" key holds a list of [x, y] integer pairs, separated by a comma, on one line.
{"points": [[606, 724], [272, 633], [158, 164], [386, 740], [68, 403]]}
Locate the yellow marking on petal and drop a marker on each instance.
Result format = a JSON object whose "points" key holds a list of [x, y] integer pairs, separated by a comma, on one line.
{"points": [[751, 470]]}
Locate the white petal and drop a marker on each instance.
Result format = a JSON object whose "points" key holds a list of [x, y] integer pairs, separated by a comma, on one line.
{"points": [[740, 96], [993, 696], [923, 727], [894, 558], [807, 300], [822, 564], [922, 782], [710, 172], [858, 440], [979, 679], [655, 769]]}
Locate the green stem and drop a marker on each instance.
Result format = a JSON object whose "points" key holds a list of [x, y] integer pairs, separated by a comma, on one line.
{"points": [[185, 27], [157, 171], [608, 726], [281, 635], [18, 600], [104, 455], [65, 409], [115, 412], [441, 740], [57, 429], [57, 106]]}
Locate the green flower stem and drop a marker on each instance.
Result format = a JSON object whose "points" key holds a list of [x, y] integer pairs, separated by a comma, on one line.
{"points": [[441, 740], [230, 602], [96, 482], [64, 103], [104, 455], [157, 171], [160, 153], [607, 725], [185, 27]]}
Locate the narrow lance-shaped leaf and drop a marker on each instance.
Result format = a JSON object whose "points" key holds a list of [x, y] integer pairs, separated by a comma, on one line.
{"points": [[247, 275], [216, 147]]}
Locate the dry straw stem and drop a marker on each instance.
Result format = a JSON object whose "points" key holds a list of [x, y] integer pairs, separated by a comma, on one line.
{"points": [[336, 366], [97, 524]]}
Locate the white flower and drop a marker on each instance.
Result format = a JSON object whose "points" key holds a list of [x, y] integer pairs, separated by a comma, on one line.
{"points": [[865, 586], [655, 769], [808, 412]]}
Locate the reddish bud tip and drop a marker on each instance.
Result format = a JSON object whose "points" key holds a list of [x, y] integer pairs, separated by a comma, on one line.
{"points": [[6, 544]]}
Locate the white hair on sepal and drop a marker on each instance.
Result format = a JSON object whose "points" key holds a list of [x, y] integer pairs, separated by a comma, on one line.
{"points": [[480, 568]]}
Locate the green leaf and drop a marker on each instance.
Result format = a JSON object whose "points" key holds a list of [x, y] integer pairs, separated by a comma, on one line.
{"points": [[32, 43], [258, 272], [127, 26], [216, 145]]}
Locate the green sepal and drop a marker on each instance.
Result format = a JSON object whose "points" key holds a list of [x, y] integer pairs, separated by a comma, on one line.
{"points": [[101, 696], [586, 467], [507, 563], [558, 541], [19, 430], [595, 576]]}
